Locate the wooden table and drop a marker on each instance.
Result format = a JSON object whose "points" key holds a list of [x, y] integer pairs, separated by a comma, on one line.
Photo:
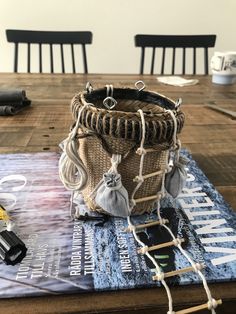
{"points": [[208, 134]]}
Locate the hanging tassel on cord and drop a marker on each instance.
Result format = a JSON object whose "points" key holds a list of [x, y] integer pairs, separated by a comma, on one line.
{"points": [[72, 171]]}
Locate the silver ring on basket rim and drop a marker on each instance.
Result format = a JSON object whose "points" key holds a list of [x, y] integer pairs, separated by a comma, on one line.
{"points": [[109, 102], [159, 124]]}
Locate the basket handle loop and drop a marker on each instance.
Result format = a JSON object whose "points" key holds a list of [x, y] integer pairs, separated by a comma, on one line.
{"points": [[109, 102], [89, 87], [110, 89], [140, 85], [178, 103]]}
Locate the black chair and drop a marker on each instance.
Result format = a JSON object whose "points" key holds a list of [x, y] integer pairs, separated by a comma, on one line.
{"points": [[174, 41], [50, 38]]}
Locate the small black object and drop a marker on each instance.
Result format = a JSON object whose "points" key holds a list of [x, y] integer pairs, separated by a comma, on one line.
{"points": [[12, 249], [100, 220], [13, 101]]}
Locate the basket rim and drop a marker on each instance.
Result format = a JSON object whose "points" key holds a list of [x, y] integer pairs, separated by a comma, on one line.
{"points": [[152, 97], [124, 124]]}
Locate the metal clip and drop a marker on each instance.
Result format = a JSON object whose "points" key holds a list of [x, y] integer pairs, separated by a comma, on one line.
{"points": [[109, 102], [140, 85]]}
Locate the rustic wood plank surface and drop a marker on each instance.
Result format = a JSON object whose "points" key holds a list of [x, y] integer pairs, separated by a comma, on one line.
{"points": [[209, 135]]}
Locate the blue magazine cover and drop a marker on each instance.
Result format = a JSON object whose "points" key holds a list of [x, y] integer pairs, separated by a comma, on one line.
{"points": [[66, 256]]}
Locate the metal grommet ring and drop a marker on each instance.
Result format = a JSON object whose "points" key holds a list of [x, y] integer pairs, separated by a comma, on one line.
{"points": [[140, 85], [109, 102]]}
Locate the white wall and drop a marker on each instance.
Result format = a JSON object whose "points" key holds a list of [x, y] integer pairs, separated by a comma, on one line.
{"points": [[114, 24]]}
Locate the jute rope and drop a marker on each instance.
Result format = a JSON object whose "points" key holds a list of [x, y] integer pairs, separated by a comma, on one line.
{"points": [[160, 275], [72, 171], [140, 151]]}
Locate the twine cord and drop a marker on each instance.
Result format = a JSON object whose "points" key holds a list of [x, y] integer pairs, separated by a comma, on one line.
{"points": [[211, 304], [72, 171], [140, 180], [184, 252], [141, 151], [174, 138], [158, 270]]}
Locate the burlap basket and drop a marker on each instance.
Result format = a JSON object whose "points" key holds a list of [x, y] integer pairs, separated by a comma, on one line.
{"points": [[104, 132]]}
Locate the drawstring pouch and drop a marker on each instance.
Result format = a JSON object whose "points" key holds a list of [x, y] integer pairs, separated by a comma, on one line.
{"points": [[175, 179], [111, 195]]}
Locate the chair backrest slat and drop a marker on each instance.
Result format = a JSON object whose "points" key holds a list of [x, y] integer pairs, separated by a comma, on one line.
{"points": [[163, 60], [51, 59], [16, 58], [175, 41], [194, 60], [85, 59], [73, 57], [206, 60], [62, 59], [173, 61], [50, 38], [184, 60], [153, 59], [142, 60], [28, 55], [40, 58]]}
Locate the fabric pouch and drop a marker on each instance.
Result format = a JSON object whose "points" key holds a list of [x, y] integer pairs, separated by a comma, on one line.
{"points": [[175, 179], [112, 196]]}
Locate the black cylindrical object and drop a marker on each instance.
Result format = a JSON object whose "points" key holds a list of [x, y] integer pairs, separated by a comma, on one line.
{"points": [[12, 249]]}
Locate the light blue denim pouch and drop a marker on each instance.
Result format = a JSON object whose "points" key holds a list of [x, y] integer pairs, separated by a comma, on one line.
{"points": [[175, 179], [112, 196]]}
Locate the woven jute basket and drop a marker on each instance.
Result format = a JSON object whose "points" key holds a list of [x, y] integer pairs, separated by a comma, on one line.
{"points": [[104, 132]]}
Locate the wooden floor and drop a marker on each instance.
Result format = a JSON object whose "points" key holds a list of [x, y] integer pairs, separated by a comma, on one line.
{"points": [[208, 134]]}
